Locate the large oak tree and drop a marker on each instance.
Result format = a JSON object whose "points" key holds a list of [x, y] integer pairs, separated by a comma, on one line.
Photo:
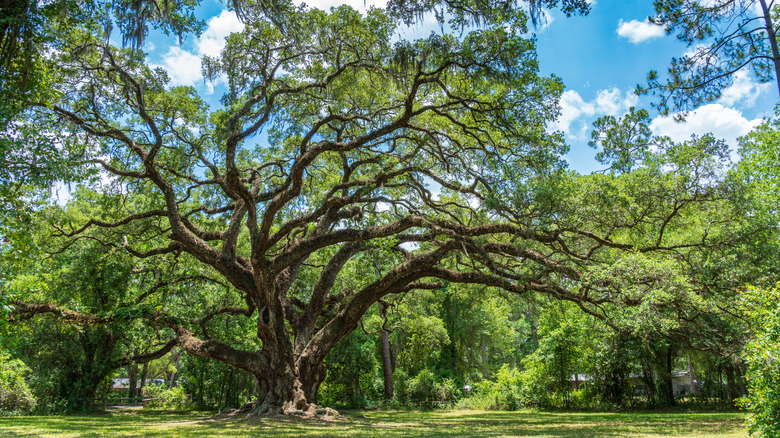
{"points": [[338, 151]]}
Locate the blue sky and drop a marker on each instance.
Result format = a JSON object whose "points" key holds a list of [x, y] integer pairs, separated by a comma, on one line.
{"points": [[601, 58]]}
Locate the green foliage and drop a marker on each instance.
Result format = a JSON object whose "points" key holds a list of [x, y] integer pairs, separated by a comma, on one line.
{"points": [[507, 393], [448, 391], [610, 359], [71, 369], [15, 394], [473, 12], [167, 398], [422, 388], [759, 169], [72, 364], [401, 386], [763, 358], [426, 389], [215, 385], [558, 356], [352, 369], [624, 141], [726, 37], [423, 339]]}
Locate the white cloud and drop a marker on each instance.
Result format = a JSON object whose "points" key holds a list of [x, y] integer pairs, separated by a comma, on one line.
{"points": [[184, 68], [612, 102], [743, 90], [212, 41], [697, 51], [572, 107], [577, 114], [755, 8], [723, 122], [639, 31], [545, 20]]}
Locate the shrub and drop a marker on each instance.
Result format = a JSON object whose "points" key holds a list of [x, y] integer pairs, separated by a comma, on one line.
{"points": [[536, 383], [167, 398], [505, 394], [483, 397], [448, 391], [400, 386], [422, 388], [15, 395], [351, 367]]}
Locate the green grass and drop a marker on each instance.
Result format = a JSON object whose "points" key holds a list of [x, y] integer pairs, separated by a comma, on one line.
{"points": [[150, 423]]}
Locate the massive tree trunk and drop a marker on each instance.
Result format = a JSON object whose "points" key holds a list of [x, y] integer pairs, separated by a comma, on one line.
{"points": [[287, 381], [732, 382]]}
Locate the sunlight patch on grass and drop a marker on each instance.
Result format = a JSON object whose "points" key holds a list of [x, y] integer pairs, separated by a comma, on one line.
{"points": [[383, 424]]}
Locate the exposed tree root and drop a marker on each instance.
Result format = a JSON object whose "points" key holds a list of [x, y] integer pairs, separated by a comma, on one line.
{"points": [[301, 409]]}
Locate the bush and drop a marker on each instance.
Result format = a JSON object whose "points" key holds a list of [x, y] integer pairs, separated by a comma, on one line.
{"points": [[351, 369], [505, 394], [448, 391], [425, 390], [483, 397], [401, 386], [167, 398], [15, 395], [422, 388], [763, 359]]}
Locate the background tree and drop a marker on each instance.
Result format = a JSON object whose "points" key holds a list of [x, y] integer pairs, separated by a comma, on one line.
{"points": [[725, 36], [763, 365], [73, 361]]}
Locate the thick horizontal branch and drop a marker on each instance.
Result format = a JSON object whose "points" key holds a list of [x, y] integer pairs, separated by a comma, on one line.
{"points": [[23, 311]]}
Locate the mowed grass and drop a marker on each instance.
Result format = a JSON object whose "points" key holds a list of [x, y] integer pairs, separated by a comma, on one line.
{"points": [[150, 423]]}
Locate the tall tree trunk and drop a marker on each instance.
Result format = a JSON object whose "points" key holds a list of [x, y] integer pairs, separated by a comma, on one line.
{"points": [[201, 384], [144, 376], [647, 378], [665, 358], [668, 377], [484, 357], [175, 361], [690, 374], [740, 377], [772, 36], [731, 383], [387, 364], [132, 374]]}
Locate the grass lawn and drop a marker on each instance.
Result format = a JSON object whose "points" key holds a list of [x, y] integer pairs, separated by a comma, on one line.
{"points": [[152, 423]]}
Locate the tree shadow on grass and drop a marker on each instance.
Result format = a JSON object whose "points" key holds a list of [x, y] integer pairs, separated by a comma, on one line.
{"points": [[383, 424]]}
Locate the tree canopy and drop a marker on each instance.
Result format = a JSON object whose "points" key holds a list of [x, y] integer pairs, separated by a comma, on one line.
{"points": [[725, 37], [346, 170]]}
